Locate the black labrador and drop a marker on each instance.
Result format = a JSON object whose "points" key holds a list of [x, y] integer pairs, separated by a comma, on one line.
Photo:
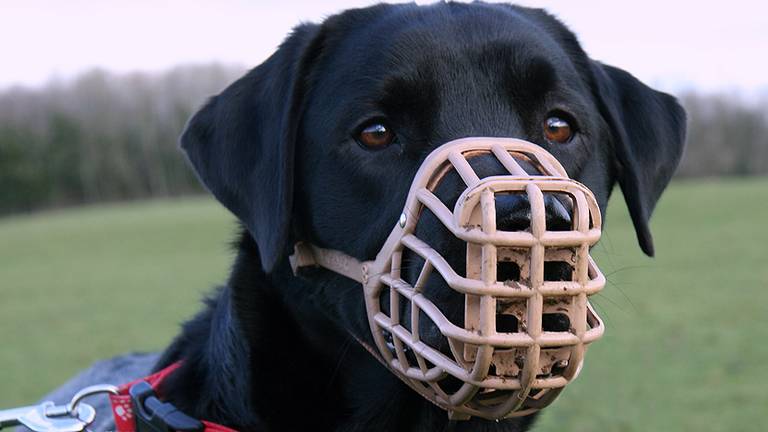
{"points": [[320, 143]]}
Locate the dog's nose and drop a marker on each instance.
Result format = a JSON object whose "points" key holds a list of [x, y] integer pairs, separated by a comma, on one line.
{"points": [[513, 213]]}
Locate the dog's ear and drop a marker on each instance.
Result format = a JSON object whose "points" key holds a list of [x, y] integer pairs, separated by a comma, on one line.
{"points": [[242, 142], [648, 129]]}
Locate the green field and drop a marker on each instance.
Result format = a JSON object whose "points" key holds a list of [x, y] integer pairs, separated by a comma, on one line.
{"points": [[686, 347]]}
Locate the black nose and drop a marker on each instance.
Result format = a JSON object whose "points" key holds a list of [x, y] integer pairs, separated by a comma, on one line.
{"points": [[513, 212]]}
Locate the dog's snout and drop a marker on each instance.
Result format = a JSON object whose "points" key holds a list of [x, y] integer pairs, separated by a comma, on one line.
{"points": [[558, 213], [513, 213]]}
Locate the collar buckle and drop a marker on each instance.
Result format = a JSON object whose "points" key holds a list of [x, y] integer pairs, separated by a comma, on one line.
{"points": [[153, 415]]}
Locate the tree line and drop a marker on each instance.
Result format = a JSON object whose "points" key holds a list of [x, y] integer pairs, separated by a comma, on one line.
{"points": [[105, 137], [727, 136], [101, 137]]}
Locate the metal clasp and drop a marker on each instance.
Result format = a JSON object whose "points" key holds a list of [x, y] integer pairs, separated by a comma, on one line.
{"points": [[49, 417]]}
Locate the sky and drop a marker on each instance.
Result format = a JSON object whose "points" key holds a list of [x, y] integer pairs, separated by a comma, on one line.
{"points": [[672, 45]]}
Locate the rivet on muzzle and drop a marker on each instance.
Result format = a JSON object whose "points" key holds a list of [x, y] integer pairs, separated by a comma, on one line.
{"points": [[523, 338]]}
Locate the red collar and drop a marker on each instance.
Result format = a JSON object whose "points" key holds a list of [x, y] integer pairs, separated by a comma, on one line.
{"points": [[122, 406]]}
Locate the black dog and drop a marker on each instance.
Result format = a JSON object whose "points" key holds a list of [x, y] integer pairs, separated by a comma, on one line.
{"points": [[320, 143]]}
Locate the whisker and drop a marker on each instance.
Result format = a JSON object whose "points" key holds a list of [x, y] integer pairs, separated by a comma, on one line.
{"points": [[602, 311], [603, 296], [629, 268], [624, 294], [337, 368]]}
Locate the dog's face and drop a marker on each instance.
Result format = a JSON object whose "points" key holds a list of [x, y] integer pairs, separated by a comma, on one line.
{"points": [[320, 143], [440, 73]]}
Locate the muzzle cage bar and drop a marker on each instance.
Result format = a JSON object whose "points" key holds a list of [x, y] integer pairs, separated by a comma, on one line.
{"points": [[503, 372]]}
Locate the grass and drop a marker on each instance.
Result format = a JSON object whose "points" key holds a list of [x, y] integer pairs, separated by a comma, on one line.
{"points": [[81, 284], [685, 348]]}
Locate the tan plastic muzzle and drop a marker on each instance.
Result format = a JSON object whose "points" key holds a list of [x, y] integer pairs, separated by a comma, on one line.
{"points": [[500, 372]]}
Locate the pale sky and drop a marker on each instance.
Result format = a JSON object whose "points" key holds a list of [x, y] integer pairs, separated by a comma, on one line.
{"points": [[673, 45]]}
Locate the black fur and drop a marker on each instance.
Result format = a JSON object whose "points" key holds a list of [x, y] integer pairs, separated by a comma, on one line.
{"points": [[273, 352]]}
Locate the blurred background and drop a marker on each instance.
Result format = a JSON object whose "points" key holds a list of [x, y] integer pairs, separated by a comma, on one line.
{"points": [[107, 242]]}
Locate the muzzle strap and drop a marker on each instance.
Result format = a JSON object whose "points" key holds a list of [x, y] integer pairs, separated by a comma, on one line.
{"points": [[308, 255]]}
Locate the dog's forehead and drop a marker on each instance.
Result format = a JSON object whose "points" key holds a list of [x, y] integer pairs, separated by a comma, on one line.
{"points": [[452, 35], [444, 43]]}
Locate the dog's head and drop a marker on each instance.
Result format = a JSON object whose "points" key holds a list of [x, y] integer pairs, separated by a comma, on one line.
{"points": [[321, 142]]}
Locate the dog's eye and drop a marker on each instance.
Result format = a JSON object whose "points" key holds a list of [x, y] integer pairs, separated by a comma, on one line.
{"points": [[376, 136], [557, 130]]}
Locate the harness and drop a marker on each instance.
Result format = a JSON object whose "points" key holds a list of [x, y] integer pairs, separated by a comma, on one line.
{"points": [[137, 407]]}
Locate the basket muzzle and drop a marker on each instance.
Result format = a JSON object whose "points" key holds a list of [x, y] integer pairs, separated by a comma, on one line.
{"points": [[490, 369]]}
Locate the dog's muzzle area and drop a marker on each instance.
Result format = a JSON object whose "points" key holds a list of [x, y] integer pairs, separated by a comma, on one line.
{"points": [[512, 214], [478, 298]]}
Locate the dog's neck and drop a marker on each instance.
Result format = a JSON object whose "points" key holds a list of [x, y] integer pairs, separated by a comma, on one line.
{"points": [[253, 363]]}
